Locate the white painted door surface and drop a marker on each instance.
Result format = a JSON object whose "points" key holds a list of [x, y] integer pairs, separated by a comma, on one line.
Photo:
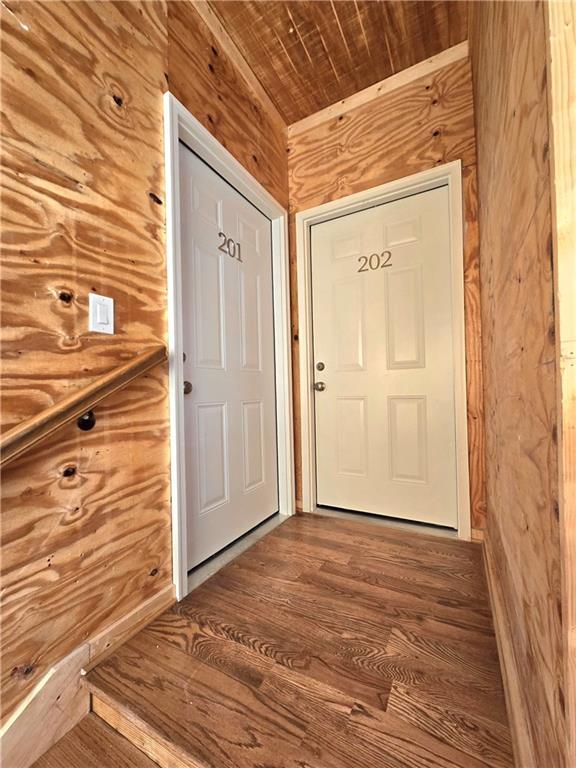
{"points": [[383, 328], [228, 337]]}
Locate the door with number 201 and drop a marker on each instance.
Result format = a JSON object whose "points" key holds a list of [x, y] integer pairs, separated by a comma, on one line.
{"points": [[228, 339], [384, 360]]}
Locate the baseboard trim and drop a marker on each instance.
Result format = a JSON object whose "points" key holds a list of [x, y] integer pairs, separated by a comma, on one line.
{"points": [[106, 642]]}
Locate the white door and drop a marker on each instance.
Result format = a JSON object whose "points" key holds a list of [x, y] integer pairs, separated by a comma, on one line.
{"points": [[228, 337], [383, 349]]}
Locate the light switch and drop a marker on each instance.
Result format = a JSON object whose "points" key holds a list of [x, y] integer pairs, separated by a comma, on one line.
{"points": [[100, 313]]}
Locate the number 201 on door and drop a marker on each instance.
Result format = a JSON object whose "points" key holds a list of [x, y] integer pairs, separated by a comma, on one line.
{"points": [[230, 247]]}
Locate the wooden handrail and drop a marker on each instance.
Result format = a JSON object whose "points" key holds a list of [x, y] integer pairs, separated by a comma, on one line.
{"points": [[24, 435]]}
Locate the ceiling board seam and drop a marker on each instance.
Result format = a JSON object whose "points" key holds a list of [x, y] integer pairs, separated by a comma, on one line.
{"points": [[342, 35], [389, 84]]}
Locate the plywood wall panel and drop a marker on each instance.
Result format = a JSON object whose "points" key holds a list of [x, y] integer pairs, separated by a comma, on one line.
{"points": [[81, 211], [203, 77], [508, 48], [85, 533], [425, 123], [81, 154]]}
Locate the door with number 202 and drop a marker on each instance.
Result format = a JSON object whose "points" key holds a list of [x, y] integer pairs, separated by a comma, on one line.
{"points": [[228, 339], [384, 360]]}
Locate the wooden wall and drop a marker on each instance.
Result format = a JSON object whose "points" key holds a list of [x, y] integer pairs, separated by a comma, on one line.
{"points": [[86, 516], [508, 47], [204, 77], [424, 123], [561, 63]]}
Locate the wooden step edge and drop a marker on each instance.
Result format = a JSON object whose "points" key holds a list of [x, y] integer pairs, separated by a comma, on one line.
{"points": [[93, 744], [140, 733]]}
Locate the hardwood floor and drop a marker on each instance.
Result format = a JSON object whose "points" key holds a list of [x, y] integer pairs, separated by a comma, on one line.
{"points": [[328, 644]]}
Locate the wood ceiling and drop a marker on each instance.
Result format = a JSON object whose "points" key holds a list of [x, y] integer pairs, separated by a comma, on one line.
{"points": [[308, 55]]}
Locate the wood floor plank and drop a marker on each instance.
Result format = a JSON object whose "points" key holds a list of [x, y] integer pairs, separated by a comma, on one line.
{"points": [[444, 572], [320, 656], [93, 744], [185, 629], [375, 593], [475, 665], [476, 735], [217, 717], [328, 644], [432, 579], [337, 608], [365, 533]]}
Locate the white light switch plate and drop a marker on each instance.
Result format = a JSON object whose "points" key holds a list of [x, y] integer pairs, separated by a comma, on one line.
{"points": [[100, 313]]}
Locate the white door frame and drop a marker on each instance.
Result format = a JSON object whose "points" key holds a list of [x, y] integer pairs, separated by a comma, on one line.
{"points": [[449, 175], [180, 124]]}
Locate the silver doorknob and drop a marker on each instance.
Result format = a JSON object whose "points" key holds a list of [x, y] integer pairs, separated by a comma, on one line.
{"points": [[187, 387], [319, 386]]}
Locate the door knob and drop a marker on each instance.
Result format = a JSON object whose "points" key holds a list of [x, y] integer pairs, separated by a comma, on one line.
{"points": [[319, 386], [187, 387]]}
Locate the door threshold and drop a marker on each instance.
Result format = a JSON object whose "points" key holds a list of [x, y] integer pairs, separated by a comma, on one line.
{"points": [[213, 564], [390, 522]]}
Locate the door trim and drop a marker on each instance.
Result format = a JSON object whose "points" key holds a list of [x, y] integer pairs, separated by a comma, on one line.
{"points": [[449, 175], [180, 124]]}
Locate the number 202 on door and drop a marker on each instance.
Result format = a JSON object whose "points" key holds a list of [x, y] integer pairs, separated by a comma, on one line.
{"points": [[374, 261], [230, 247]]}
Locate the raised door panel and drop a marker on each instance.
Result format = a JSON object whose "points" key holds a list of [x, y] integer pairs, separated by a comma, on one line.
{"points": [[403, 232], [346, 247], [405, 320], [253, 439], [209, 309], [208, 205], [348, 324], [351, 436], [212, 455], [250, 322], [407, 439]]}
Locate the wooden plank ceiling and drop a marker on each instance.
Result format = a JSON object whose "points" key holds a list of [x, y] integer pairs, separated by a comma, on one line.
{"points": [[308, 55]]}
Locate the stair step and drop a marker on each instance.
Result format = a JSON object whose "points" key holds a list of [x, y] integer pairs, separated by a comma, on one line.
{"points": [[93, 744], [144, 736]]}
